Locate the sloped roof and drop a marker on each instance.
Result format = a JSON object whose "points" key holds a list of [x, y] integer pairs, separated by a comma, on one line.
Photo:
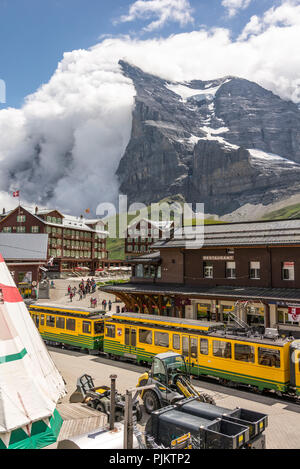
{"points": [[277, 232], [23, 246]]}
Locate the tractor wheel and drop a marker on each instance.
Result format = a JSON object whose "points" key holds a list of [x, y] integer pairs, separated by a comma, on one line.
{"points": [[151, 401], [100, 408]]}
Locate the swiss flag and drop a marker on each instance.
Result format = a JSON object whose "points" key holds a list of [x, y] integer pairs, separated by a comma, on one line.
{"points": [[16, 194]]}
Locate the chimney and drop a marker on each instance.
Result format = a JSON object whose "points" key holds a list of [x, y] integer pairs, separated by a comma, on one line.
{"points": [[3, 211], [36, 210]]}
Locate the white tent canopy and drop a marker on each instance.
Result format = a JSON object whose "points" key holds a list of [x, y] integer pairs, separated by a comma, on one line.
{"points": [[30, 384]]}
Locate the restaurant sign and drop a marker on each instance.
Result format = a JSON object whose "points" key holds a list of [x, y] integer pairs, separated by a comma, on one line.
{"points": [[218, 258]]}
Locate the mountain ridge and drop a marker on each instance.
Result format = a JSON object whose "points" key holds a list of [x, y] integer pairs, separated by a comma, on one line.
{"points": [[224, 142]]}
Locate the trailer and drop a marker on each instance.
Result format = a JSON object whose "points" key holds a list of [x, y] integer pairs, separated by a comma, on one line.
{"points": [[210, 426]]}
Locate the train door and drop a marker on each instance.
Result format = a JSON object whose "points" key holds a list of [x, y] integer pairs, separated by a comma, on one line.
{"points": [[42, 323], [36, 319], [130, 342], [190, 352]]}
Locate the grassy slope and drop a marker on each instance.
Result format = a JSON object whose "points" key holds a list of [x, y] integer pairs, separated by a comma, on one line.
{"points": [[291, 211]]}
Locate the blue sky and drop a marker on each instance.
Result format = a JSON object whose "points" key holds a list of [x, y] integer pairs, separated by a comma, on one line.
{"points": [[34, 34]]}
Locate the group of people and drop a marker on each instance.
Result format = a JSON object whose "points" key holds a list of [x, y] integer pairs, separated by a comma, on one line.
{"points": [[105, 304], [83, 289]]}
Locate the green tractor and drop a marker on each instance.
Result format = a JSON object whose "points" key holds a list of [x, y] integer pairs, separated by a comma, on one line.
{"points": [[172, 383]]}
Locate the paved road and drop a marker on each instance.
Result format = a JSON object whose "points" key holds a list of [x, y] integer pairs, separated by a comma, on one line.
{"points": [[283, 431]]}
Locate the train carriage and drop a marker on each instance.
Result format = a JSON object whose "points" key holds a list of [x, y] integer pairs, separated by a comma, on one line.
{"points": [[259, 362], [82, 328]]}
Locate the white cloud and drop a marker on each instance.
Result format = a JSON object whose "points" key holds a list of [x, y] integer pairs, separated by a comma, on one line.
{"points": [[287, 14], [64, 145], [233, 6], [178, 11]]}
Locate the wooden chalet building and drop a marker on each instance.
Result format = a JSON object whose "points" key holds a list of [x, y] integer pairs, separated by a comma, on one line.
{"points": [[74, 243], [250, 268], [142, 234]]}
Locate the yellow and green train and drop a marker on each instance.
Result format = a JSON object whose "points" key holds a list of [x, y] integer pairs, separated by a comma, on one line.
{"points": [[261, 363], [82, 328], [209, 350]]}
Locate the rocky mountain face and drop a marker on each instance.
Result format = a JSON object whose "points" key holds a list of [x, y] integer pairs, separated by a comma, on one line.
{"points": [[225, 143]]}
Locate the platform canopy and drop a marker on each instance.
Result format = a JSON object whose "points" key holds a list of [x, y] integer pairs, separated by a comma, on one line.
{"points": [[30, 384]]}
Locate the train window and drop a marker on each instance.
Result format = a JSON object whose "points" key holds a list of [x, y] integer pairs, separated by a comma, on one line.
{"points": [[60, 323], [86, 327], [145, 336], [133, 337], [161, 339], [204, 346], [42, 319], [176, 341], [185, 346], [269, 357], [50, 321], [111, 331], [70, 324], [99, 327], [221, 349], [194, 348], [244, 353]]}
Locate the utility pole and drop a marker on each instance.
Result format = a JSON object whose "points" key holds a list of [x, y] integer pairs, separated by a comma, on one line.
{"points": [[112, 402], [128, 417]]}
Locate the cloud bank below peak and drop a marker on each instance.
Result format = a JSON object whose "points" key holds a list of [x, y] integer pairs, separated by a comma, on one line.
{"points": [[63, 147]]}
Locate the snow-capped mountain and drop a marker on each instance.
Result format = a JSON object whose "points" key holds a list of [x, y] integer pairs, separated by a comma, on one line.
{"points": [[224, 142]]}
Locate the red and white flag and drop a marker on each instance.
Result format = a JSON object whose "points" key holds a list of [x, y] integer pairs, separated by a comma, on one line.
{"points": [[16, 194]]}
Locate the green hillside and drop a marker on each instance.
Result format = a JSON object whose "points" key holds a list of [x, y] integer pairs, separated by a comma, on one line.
{"points": [[291, 211]]}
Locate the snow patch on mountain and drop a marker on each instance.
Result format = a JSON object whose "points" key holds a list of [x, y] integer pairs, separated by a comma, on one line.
{"points": [[261, 157]]}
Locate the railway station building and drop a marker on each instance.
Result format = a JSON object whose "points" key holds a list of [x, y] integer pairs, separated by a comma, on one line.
{"points": [[249, 268]]}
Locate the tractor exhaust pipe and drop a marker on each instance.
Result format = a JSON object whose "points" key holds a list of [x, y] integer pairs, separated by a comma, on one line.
{"points": [[112, 413]]}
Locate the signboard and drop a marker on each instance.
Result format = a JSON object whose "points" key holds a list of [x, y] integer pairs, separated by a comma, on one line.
{"points": [[294, 313], [218, 258]]}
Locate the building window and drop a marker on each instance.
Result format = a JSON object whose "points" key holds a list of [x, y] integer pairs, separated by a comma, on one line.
{"points": [[20, 229], [21, 218], [288, 271], [35, 229], [230, 270], [140, 271], [161, 339], [7, 229], [269, 357], [255, 270], [208, 270], [244, 353], [221, 349]]}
